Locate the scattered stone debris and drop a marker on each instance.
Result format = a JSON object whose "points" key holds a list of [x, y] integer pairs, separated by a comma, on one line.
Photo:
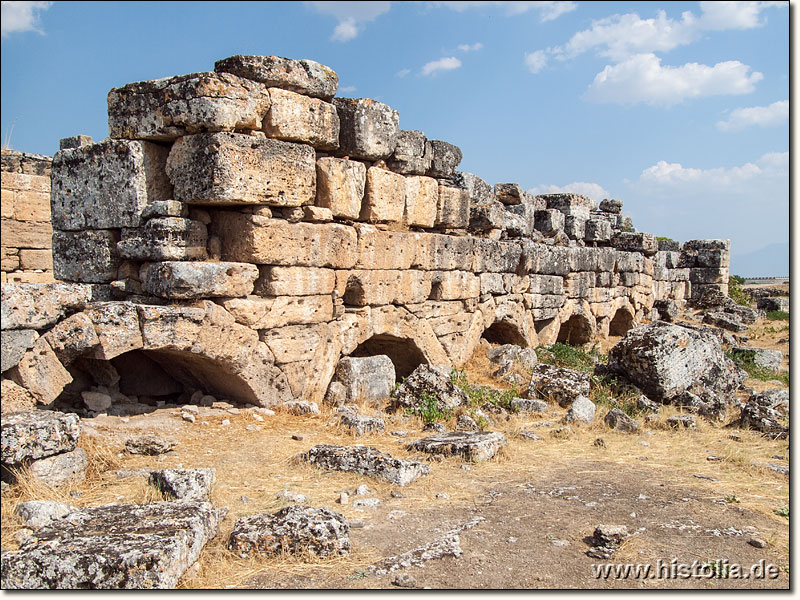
{"points": [[582, 410], [528, 435], [599, 442], [707, 477], [361, 424], [366, 503], [606, 540], [506, 355], [301, 407], [473, 446], [467, 423], [757, 543], [366, 461], [616, 419], [294, 529], [432, 382], [767, 412], [557, 384], [149, 445], [524, 405], [290, 496], [404, 580], [433, 426], [184, 484], [682, 422]]}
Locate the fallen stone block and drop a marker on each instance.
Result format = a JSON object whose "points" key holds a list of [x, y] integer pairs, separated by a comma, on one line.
{"points": [[297, 118], [361, 424], [301, 407], [60, 469], [768, 413], [773, 303], [682, 422], [117, 328], [557, 384], [766, 359], [302, 76], [412, 154], [524, 405], [616, 419], [14, 344], [86, 256], [113, 547], [340, 186], [41, 373], [184, 484], [37, 434], [597, 230], [581, 410], [40, 513], [365, 460], [725, 320], [445, 159], [509, 194], [667, 310], [473, 446], [166, 109], [223, 169], [549, 222], [188, 280], [368, 129], [611, 205], [149, 445], [40, 305], [72, 337], [431, 382], [369, 379], [292, 530]]}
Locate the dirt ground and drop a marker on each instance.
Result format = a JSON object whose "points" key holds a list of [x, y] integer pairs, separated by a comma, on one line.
{"points": [[540, 500]]}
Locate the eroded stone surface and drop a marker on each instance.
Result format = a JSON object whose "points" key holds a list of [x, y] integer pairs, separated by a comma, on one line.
{"points": [[470, 445], [369, 379], [557, 384], [432, 382], [184, 484], [302, 76], [366, 461]]}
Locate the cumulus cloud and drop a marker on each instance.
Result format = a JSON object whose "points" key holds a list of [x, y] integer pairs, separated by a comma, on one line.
{"points": [[642, 78], [536, 61], [403, 72], [17, 17], [548, 11], [593, 190], [734, 15], [470, 48], [443, 64], [351, 15], [675, 175], [762, 116]]}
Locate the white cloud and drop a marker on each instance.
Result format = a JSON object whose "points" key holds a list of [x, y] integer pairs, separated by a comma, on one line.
{"points": [[347, 89], [16, 17], [642, 78], [443, 64], [734, 15], [536, 61], [675, 175], [763, 116], [403, 72], [351, 15], [470, 48], [548, 11], [593, 190]]}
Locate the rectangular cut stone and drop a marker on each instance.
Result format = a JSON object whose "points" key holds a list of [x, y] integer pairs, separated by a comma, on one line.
{"points": [[293, 343], [294, 281], [546, 284], [509, 193], [492, 283], [444, 252], [232, 168], [36, 259], [422, 197], [25, 182], [598, 230], [635, 242], [385, 249], [545, 300], [41, 373], [579, 285], [549, 221], [267, 313], [9, 259], [569, 204], [117, 328], [378, 288], [107, 185], [258, 240], [32, 206], [368, 129], [385, 197], [444, 160], [575, 227], [72, 337], [14, 343], [302, 76], [698, 275], [368, 461], [26, 234], [521, 219], [40, 305], [434, 308], [546, 260], [340, 186], [296, 118], [166, 109], [455, 285], [629, 261], [496, 257], [165, 238], [190, 280], [412, 155], [452, 208], [451, 324], [85, 256]]}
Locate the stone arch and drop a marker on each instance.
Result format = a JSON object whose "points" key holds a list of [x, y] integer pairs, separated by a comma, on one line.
{"points": [[505, 332], [575, 331], [403, 352], [622, 321]]}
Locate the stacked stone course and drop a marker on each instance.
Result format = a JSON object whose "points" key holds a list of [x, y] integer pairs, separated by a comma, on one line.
{"points": [[247, 220]]}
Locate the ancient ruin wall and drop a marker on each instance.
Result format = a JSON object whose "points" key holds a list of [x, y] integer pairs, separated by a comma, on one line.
{"points": [[25, 240], [242, 230]]}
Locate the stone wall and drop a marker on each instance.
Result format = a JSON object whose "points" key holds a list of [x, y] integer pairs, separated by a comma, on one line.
{"points": [[242, 230], [25, 241]]}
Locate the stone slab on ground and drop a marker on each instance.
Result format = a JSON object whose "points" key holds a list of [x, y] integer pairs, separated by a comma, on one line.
{"points": [[366, 460], [37, 434], [470, 445], [558, 384], [60, 469], [184, 484]]}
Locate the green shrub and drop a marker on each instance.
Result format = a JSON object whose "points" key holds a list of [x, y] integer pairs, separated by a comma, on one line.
{"points": [[663, 238], [755, 371], [479, 395], [778, 315], [735, 291], [569, 357], [429, 411], [738, 279]]}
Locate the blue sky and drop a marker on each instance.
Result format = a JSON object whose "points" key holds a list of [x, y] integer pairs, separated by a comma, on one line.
{"points": [[679, 109]]}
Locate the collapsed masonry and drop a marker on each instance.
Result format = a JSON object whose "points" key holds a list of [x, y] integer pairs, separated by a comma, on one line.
{"points": [[243, 230]]}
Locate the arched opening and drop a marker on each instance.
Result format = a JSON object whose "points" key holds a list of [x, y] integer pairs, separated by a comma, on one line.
{"points": [[503, 332], [404, 353], [540, 326], [621, 323], [576, 331]]}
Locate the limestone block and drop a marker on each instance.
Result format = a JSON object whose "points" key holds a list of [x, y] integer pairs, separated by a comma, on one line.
{"points": [[603, 279], [294, 281], [509, 193], [36, 259], [231, 168], [41, 373], [36, 434], [33, 205], [431, 309], [451, 324], [72, 337], [117, 328], [444, 252], [496, 257], [598, 230], [569, 204], [25, 182], [297, 118], [716, 275], [629, 261], [412, 155], [367, 379], [546, 284], [545, 300], [292, 343], [9, 259], [25, 234], [166, 109], [368, 129], [378, 288], [454, 285], [368, 461], [187, 280], [74, 141], [15, 343], [486, 217], [635, 242], [492, 283], [302, 76], [85, 178], [546, 260], [611, 205], [340, 186], [385, 197], [317, 214], [40, 305], [385, 249], [85, 256], [575, 227], [549, 221], [452, 209], [258, 240], [61, 469], [520, 219], [165, 238], [479, 191], [446, 158], [422, 197], [165, 208]]}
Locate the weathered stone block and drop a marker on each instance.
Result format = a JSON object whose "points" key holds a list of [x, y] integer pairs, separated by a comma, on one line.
{"points": [[378, 288], [366, 461], [74, 141], [434, 381], [340, 186], [509, 193], [25, 234], [495, 256], [598, 230], [472, 446], [9, 259], [72, 337], [385, 249], [546, 284], [37, 434], [297, 118], [165, 238], [582, 410], [558, 384], [60, 469], [302, 76], [41, 373], [293, 343], [445, 160], [569, 204], [368, 129], [40, 305], [452, 208], [187, 280], [36, 259], [549, 221], [369, 379], [85, 178], [575, 227], [258, 240], [294, 281], [184, 484], [422, 197], [166, 109], [717, 275], [611, 205], [117, 328], [444, 252], [454, 285], [32, 205], [231, 168], [486, 217], [14, 344], [85, 256], [385, 197], [412, 155], [645, 243]]}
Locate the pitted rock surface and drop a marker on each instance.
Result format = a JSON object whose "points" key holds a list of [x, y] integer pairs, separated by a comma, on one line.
{"points": [[582, 410], [366, 460], [433, 381], [557, 384], [616, 419], [184, 484], [767, 412], [37, 434], [471, 445], [149, 445]]}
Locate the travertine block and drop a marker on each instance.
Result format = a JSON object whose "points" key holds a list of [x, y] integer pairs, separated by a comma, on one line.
{"points": [[25, 182], [579, 285], [258, 240], [26, 234], [40, 306], [267, 313], [165, 238], [41, 373], [368, 129], [385, 196], [117, 328], [546, 284], [455, 285], [340, 186], [598, 230], [494, 256], [166, 109], [446, 158], [85, 256], [36, 259], [444, 252], [645, 243], [422, 197], [9, 259], [412, 155], [549, 221], [452, 209], [72, 337], [32, 206], [84, 179], [294, 281], [509, 193], [302, 76], [187, 280], [297, 118], [573, 205], [386, 249], [378, 288], [293, 343], [575, 227], [231, 168]]}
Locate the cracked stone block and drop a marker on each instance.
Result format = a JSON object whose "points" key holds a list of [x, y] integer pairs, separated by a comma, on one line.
{"points": [[60, 469], [37, 434], [184, 484], [433, 381], [452, 208], [368, 461], [187, 280], [412, 155], [470, 445], [39, 513], [14, 344], [362, 424], [340, 186], [302, 76], [117, 328], [446, 158], [297, 118], [509, 193], [367, 379], [149, 445], [72, 337], [164, 238], [41, 373], [86, 256], [40, 305], [557, 384], [573, 205], [368, 128], [385, 196]]}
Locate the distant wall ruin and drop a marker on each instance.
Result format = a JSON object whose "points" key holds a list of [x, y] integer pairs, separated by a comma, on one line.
{"points": [[247, 224]]}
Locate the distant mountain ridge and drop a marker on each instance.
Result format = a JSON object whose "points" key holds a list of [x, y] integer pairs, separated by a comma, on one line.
{"points": [[769, 261]]}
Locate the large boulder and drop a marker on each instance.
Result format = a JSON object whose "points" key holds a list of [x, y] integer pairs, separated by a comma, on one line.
{"points": [[558, 384], [767, 412], [37, 434], [429, 382], [665, 360]]}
